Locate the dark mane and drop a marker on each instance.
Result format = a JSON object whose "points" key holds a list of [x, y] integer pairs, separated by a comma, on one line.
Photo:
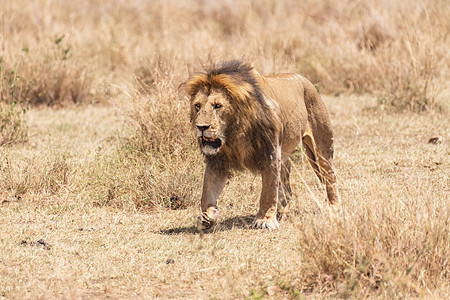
{"points": [[239, 71], [251, 143], [232, 68], [236, 76]]}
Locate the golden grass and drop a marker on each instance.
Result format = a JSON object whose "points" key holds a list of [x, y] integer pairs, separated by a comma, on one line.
{"points": [[113, 189], [70, 52], [13, 128]]}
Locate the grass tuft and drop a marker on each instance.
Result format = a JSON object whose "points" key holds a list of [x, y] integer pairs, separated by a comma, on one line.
{"points": [[153, 155], [13, 127]]}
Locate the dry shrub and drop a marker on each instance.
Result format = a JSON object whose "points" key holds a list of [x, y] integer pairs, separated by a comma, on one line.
{"points": [[161, 161], [375, 251], [13, 128], [50, 76], [44, 174], [228, 19], [57, 174], [374, 36], [158, 110], [412, 83], [52, 67], [392, 49], [13, 88], [414, 67], [58, 78]]}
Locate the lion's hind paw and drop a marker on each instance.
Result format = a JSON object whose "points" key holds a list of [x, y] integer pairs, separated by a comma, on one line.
{"points": [[265, 223]]}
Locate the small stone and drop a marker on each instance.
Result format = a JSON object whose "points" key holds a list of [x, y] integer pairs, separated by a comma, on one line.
{"points": [[90, 228], [42, 243], [170, 261], [435, 140]]}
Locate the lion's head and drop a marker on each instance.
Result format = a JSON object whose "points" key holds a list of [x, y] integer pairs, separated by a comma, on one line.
{"points": [[211, 111], [230, 114]]}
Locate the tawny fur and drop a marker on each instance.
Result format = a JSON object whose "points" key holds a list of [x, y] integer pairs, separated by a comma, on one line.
{"points": [[246, 120]]}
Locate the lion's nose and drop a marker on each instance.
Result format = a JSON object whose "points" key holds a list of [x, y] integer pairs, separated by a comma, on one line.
{"points": [[202, 128]]}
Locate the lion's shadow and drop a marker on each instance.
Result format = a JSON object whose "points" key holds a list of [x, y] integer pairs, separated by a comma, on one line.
{"points": [[242, 222]]}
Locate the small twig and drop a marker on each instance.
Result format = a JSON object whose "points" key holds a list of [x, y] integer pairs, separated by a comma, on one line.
{"points": [[90, 228]]}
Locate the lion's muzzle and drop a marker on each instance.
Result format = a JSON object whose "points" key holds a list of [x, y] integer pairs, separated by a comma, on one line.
{"points": [[214, 143], [209, 145], [209, 142]]}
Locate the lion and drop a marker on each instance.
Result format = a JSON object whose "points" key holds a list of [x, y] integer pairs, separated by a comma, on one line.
{"points": [[244, 120]]}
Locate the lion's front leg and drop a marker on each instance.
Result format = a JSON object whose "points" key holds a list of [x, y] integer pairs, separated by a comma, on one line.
{"points": [[213, 183], [267, 214]]}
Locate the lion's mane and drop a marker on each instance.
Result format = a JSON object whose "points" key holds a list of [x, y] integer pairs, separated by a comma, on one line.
{"points": [[251, 129]]}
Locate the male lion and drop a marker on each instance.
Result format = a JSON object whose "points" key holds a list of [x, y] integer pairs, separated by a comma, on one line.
{"points": [[246, 120]]}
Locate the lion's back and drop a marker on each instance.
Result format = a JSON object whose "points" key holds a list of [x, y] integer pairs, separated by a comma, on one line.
{"points": [[287, 90]]}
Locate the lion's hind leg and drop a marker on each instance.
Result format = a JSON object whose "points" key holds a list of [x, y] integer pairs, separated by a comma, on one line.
{"points": [[266, 218], [321, 160], [284, 190]]}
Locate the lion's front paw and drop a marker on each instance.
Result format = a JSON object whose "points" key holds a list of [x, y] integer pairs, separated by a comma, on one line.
{"points": [[207, 219], [265, 223]]}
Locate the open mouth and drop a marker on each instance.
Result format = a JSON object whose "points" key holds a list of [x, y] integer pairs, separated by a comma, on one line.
{"points": [[213, 143]]}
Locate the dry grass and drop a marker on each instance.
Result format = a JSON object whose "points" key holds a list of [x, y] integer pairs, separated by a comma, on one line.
{"points": [[112, 191], [70, 52], [13, 128], [390, 239]]}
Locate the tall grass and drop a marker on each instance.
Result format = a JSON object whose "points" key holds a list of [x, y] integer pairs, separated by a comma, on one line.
{"points": [[44, 175], [71, 52], [376, 251], [46, 75], [13, 127], [161, 158]]}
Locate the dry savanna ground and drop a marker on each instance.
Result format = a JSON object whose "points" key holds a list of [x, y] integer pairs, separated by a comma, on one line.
{"points": [[100, 178]]}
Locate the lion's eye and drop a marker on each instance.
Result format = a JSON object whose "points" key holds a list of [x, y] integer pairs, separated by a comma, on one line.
{"points": [[197, 106], [217, 105]]}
